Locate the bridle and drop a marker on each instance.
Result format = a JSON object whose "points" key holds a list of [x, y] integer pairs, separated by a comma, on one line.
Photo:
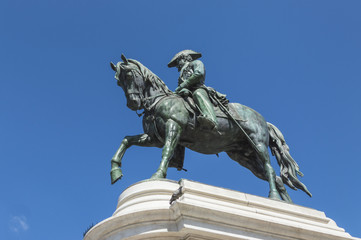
{"points": [[144, 100]]}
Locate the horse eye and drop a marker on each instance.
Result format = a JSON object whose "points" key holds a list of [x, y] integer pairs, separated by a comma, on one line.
{"points": [[129, 75]]}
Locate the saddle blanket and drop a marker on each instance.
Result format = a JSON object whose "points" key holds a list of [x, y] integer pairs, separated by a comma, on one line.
{"points": [[231, 109]]}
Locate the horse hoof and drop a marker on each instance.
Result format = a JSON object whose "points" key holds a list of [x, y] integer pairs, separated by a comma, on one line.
{"points": [[115, 175], [158, 175], [274, 195]]}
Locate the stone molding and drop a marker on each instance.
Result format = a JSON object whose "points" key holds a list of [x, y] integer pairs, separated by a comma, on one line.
{"points": [[201, 212]]}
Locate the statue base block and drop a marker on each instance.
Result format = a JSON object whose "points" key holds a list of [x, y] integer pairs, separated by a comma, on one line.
{"points": [[201, 211]]}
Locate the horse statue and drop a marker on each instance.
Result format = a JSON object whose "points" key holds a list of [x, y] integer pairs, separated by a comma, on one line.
{"points": [[168, 123]]}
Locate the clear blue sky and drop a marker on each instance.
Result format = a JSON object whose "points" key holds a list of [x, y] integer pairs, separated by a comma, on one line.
{"points": [[62, 118]]}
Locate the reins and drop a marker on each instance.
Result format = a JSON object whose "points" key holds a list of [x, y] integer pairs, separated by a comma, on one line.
{"points": [[145, 100]]}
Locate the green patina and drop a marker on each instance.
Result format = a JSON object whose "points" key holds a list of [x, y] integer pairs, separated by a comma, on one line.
{"points": [[173, 121]]}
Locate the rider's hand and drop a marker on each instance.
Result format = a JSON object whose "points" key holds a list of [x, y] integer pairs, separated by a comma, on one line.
{"points": [[183, 85], [178, 89], [184, 92]]}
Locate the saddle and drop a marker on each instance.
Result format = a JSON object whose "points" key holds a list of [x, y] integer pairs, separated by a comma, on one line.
{"points": [[216, 99]]}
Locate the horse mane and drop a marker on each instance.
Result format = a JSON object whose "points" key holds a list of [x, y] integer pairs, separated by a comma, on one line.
{"points": [[150, 76]]}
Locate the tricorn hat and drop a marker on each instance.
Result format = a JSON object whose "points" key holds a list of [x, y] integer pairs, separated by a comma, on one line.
{"points": [[193, 54]]}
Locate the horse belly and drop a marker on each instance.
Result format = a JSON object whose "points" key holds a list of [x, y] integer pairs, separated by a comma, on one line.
{"points": [[210, 148], [210, 142]]}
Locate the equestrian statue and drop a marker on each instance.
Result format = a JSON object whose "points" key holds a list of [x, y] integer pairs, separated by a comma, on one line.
{"points": [[201, 119]]}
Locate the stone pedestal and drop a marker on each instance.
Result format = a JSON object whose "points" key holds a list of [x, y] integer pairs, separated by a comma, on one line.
{"points": [[201, 211]]}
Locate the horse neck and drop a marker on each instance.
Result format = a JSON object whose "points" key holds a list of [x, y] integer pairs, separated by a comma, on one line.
{"points": [[151, 95]]}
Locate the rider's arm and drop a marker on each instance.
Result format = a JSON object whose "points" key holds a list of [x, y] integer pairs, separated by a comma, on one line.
{"points": [[197, 77]]}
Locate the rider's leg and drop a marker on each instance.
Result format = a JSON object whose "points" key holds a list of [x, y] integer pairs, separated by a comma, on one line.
{"points": [[202, 100], [173, 131], [139, 140]]}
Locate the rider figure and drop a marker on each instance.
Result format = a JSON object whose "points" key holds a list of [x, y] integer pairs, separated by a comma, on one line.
{"points": [[191, 80]]}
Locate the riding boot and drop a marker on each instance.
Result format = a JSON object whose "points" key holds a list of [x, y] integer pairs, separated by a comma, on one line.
{"points": [[206, 122], [208, 117]]}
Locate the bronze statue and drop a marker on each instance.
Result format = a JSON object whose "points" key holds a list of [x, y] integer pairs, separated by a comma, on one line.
{"points": [[169, 122]]}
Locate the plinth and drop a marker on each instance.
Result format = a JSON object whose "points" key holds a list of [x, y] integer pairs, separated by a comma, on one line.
{"points": [[199, 211]]}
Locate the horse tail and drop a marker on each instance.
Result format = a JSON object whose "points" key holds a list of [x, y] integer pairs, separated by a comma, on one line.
{"points": [[288, 166]]}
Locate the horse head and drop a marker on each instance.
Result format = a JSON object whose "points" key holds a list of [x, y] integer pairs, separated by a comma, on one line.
{"points": [[131, 81]]}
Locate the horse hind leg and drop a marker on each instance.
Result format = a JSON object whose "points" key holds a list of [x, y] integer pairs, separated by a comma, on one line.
{"points": [[277, 188], [282, 190], [269, 172], [258, 170]]}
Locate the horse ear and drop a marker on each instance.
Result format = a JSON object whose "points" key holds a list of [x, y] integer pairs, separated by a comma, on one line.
{"points": [[125, 60], [113, 66]]}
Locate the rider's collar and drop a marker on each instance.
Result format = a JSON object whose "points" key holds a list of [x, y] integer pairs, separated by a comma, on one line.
{"points": [[183, 68]]}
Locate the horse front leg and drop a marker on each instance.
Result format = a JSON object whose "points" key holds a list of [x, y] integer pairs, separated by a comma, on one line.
{"points": [[172, 135], [139, 140]]}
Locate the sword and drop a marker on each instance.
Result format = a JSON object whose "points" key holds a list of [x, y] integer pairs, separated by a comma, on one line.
{"points": [[225, 110]]}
